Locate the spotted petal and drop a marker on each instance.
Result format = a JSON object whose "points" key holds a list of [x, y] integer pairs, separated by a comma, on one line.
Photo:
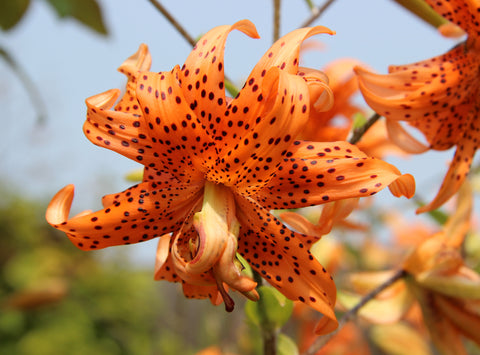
{"points": [[139, 213], [459, 12], [459, 167], [313, 173], [434, 96], [202, 75], [283, 54], [254, 159], [281, 256]]}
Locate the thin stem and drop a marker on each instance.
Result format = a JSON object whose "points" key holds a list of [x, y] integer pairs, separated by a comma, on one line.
{"points": [[360, 131], [174, 22], [316, 13], [269, 342], [349, 315], [276, 20], [32, 90], [269, 336]]}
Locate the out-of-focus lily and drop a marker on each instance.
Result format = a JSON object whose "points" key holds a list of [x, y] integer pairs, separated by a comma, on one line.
{"points": [[438, 96], [437, 278]]}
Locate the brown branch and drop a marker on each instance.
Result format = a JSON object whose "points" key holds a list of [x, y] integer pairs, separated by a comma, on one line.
{"points": [[231, 88], [276, 19], [174, 22], [316, 13], [360, 131], [352, 313]]}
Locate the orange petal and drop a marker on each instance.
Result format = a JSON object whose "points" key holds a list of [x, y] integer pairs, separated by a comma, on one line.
{"points": [[140, 213], [315, 173], [443, 333], [403, 186], [124, 133], [467, 323], [459, 12], [283, 259], [202, 75], [459, 168], [180, 135], [252, 161], [403, 139], [283, 54], [434, 95], [201, 292], [140, 61]]}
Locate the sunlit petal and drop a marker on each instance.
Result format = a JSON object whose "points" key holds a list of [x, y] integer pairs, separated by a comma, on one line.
{"points": [[140, 213], [315, 173]]}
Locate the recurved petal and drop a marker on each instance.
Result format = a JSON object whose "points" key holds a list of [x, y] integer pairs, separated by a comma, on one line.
{"points": [[202, 75], [284, 53], [314, 173], [435, 95], [123, 132], [399, 135], [140, 213], [458, 170], [281, 256], [140, 61]]}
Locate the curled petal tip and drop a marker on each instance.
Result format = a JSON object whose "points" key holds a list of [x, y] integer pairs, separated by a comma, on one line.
{"points": [[59, 207], [326, 325], [105, 100], [403, 186], [247, 27], [322, 29], [140, 61]]}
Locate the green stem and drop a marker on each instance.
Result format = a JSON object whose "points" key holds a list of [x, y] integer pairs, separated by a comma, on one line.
{"points": [[360, 131], [269, 336], [316, 13], [350, 314]]}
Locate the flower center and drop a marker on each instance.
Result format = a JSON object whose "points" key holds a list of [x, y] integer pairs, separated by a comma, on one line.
{"points": [[218, 230]]}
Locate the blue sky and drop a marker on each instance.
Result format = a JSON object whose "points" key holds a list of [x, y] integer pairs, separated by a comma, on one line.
{"points": [[70, 63]]}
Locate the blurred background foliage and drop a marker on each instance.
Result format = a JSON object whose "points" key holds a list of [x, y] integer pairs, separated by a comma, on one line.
{"points": [[56, 299]]}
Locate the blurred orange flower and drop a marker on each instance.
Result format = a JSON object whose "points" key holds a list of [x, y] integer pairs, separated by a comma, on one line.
{"points": [[438, 279], [438, 96]]}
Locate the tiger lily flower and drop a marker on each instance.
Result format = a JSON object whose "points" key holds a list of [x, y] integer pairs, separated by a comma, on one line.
{"points": [[438, 96], [216, 166]]}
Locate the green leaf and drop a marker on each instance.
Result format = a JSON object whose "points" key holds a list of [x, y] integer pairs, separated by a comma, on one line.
{"points": [[86, 12], [272, 310], [285, 345], [11, 12]]}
